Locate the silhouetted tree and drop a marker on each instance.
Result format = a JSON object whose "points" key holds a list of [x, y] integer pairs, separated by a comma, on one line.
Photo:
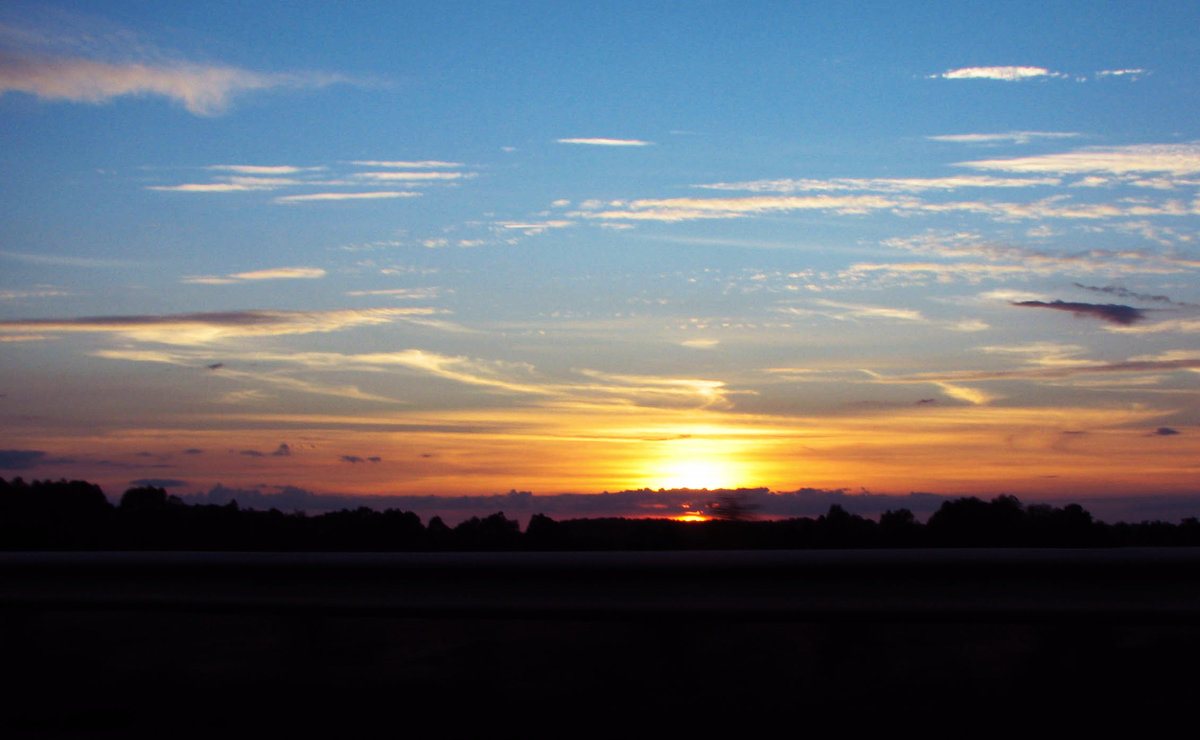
{"points": [[542, 533], [147, 498], [53, 514], [972, 522], [899, 528], [732, 506], [494, 532]]}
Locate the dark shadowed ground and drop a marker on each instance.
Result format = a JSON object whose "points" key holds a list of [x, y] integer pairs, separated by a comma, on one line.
{"points": [[597, 644]]}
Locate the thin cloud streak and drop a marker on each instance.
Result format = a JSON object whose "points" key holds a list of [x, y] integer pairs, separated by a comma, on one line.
{"points": [[207, 328], [277, 273], [319, 197], [1174, 159], [590, 388], [886, 185], [414, 176], [1131, 73], [209, 187], [64, 260], [1135, 367], [1058, 206], [254, 169], [606, 142], [1007, 74], [1011, 137], [425, 164], [202, 90]]}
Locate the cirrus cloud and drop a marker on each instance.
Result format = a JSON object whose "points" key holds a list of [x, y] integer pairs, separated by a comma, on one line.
{"points": [[1010, 137], [1174, 159], [1007, 73], [276, 273], [207, 328], [605, 142], [369, 195], [202, 90]]}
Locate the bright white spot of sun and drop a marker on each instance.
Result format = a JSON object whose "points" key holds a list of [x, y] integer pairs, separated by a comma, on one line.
{"points": [[696, 463], [696, 473]]}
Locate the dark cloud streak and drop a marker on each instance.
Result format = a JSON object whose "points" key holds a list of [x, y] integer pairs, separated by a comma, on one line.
{"points": [[158, 482], [20, 459], [1113, 313], [1126, 293]]}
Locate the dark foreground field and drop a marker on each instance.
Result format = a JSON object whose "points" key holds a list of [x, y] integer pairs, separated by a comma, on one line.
{"points": [[612, 644]]}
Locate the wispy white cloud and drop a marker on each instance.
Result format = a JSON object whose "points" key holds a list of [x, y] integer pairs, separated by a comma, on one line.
{"points": [[1056, 206], [1007, 74], [1003, 259], [910, 273], [17, 295], [1042, 354], [64, 260], [1126, 367], [23, 337], [241, 178], [208, 328], [275, 273], [887, 185], [1131, 73], [972, 396], [229, 185], [853, 312], [255, 169], [584, 388], [606, 142], [1170, 326], [372, 195], [413, 176], [534, 227], [202, 90], [1010, 137], [421, 165], [1059, 206], [655, 390], [414, 293], [687, 209], [275, 380], [706, 343], [857, 311], [1174, 159]]}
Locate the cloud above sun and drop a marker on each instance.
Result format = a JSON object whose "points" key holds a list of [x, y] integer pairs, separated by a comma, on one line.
{"points": [[205, 328]]}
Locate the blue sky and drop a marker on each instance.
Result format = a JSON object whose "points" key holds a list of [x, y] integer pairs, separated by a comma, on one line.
{"points": [[458, 248]]}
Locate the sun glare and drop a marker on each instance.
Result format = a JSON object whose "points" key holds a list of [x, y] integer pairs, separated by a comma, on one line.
{"points": [[697, 463], [696, 474]]}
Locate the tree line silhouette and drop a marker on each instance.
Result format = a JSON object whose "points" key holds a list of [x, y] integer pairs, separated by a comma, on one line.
{"points": [[76, 515]]}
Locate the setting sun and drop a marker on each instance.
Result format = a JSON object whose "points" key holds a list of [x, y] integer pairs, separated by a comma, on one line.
{"points": [[698, 463], [696, 474]]}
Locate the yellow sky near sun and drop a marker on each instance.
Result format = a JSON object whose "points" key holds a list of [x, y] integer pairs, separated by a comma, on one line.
{"points": [[961, 450]]}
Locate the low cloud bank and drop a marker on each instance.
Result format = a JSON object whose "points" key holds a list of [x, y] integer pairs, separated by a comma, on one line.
{"points": [[646, 503], [643, 503]]}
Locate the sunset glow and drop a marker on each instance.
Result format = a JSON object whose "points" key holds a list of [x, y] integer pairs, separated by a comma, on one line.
{"points": [[557, 250]]}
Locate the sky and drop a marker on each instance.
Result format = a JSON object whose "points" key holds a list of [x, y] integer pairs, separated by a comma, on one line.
{"points": [[464, 249]]}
